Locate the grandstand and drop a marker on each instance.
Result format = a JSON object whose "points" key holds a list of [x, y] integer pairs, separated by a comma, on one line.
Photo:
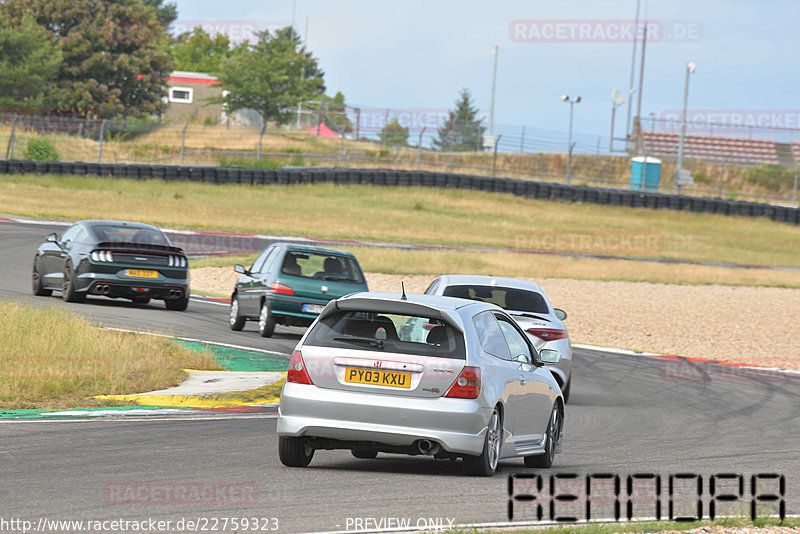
{"points": [[745, 150]]}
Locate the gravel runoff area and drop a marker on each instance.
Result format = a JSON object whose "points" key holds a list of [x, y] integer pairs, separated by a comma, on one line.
{"points": [[748, 325], [716, 529]]}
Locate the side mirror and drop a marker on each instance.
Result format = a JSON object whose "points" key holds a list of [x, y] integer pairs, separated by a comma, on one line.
{"points": [[240, 269], [561, 314], [52, 238], [549, 356]]}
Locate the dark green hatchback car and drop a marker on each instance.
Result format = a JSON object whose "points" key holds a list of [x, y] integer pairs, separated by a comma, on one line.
{"points": [[289, 284]]}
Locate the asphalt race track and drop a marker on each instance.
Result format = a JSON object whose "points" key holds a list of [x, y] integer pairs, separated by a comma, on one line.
{"points": [[628, 415]]}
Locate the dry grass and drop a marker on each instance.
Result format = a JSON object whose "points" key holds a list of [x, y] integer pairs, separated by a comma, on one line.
{"points": [[52, 358], [412, 215]]}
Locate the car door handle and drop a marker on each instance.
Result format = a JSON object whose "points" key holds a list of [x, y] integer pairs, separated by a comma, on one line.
{"points": [[522, 381]]}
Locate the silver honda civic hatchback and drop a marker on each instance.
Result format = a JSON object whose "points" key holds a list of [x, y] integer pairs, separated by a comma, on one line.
{"points": [[420, 375]]}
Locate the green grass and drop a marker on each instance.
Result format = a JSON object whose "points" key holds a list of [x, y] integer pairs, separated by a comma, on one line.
{"points": [[53, 358]]}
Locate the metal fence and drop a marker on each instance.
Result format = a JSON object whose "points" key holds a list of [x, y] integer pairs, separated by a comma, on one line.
{"points": [[521, 153]]}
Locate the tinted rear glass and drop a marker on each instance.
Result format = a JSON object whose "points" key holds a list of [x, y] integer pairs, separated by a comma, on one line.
{"points": [[386, 332], [322, 266], [508, 298], [129, 234]]}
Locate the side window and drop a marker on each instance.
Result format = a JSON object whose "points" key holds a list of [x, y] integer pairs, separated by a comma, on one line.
{"points": [[433, 287], [259, 263], [70, 234], [491, 336], [516, 342]]}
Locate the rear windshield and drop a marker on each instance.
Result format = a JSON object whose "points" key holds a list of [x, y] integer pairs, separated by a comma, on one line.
{"points": [[386, 332], [322, 266], [129, 234], [508, 298]]}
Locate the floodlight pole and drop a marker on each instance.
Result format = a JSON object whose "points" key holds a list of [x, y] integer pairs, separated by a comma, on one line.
{"points": [[494, 158], [633, 72], [570, 144], [690, 68], [491, 104]]}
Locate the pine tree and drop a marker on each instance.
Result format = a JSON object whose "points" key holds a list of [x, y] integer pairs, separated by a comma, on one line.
{"points": [[463, 130]]}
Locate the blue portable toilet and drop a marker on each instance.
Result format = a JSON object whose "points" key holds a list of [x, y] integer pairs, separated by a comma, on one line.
{"points": [[650, 167]]}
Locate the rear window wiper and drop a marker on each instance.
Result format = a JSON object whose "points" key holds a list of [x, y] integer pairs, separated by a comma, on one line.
{"points": [[379, 343], [523, 314]]}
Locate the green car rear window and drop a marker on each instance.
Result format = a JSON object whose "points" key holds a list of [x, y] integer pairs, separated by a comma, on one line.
{"points": [[320, 266]]}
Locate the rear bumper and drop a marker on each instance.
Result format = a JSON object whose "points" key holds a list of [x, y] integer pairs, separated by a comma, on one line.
{"points": [[458, 425], [113, 285]]}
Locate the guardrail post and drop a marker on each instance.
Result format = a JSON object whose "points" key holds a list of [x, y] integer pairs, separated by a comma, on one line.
{"points": [[494, 158], [794, 191], [419, 148], [721, 172], [10, 149], [183, 142], [102, 135]]}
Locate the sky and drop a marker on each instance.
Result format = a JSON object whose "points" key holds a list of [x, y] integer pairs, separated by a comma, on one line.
{"points": [[416, 56]]}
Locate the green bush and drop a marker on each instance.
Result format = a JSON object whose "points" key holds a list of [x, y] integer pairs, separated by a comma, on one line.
{"points": [[773, 177], [702, 177], [41, 149]]}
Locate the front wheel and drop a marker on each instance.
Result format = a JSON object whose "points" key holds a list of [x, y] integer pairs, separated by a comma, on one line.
{"points": [[294, 452], [236, 321], [177, 304], [553, 432], [38, 284], [485, 464], [266, 323], [69, 293]]}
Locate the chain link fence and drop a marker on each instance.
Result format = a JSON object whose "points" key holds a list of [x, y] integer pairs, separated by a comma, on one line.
{"points": [[354, 137]]}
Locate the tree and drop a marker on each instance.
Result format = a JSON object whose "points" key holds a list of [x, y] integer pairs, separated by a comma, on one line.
{"points": [[271, 76], [394, 133], [197, 51], [165, 13], [463, 130], [115, 61], [29, 61]]}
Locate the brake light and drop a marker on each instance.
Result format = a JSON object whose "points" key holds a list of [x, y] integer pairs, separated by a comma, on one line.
{"points": [[467, 385], [281, 289], [547, 334], [297, 370]]}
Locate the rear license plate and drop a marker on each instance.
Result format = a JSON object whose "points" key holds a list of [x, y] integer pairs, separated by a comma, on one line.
{"points": [[137, 273], [313, 308], [377, 377]]}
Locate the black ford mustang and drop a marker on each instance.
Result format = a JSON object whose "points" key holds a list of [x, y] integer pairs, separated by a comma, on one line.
{"points": [[115, 259]]}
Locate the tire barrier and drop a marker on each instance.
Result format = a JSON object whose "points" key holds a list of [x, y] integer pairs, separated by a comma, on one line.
{"points": [[403, 178]]}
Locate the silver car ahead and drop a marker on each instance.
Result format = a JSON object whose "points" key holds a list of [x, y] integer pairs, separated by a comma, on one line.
{"points": [[420, 374], [530, 307]]}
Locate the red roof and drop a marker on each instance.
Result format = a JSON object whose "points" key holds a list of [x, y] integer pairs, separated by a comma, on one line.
{"points": [[324, 131]]}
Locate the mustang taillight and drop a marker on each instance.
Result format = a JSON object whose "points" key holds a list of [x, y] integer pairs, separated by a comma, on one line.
{"points": [[297, 370], [468, 384], [101, 255], [547, 334], [281, 289], [177, 261]]}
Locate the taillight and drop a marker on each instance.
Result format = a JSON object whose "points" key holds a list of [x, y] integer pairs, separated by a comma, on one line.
{"points": [[176, 261], [468, 384], [547, 334], [101, 255], [297, 370], [281, 289]]}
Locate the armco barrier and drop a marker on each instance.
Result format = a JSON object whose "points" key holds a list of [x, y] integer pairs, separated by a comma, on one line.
{"points": [[403, 178]]}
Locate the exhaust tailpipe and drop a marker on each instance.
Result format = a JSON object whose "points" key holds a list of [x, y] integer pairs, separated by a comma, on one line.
{"points": [[428, 447]]}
